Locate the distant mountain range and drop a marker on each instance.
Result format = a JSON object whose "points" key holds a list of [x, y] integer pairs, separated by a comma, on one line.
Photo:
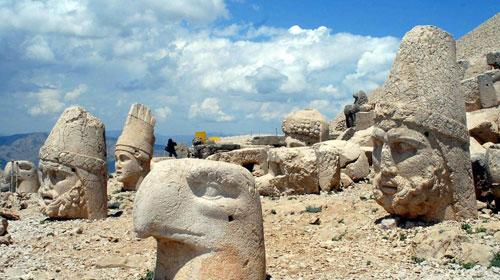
{"points": [[26, 146]]}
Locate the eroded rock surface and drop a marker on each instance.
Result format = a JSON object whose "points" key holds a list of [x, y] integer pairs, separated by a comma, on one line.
{"points": [[206, 217], [421, 145]]}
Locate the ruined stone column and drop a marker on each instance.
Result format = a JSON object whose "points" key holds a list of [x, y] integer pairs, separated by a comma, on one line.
{"points": [[421, 145], [134, 148], [207, 219], [73, 167]]}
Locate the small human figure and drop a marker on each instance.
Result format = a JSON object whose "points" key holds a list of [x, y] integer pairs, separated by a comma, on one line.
{"points": [[170, 148]]}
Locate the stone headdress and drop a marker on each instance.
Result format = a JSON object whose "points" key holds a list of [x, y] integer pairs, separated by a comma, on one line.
{"points": [[138, 133], [423, 86], [422, 93], [77, 140]]}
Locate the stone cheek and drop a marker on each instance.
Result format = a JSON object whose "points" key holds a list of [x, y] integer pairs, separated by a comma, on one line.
{"points": [[206, 218]]}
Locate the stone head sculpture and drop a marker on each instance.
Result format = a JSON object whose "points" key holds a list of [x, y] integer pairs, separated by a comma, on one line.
{"points": [[73, 167], [134, 148], [308, 126], [22, 175], [421, 145], [206, 218]]}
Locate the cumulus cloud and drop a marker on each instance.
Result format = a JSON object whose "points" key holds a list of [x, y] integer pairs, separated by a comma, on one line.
{"points": [[171, 56], [163, 113], [209, 110], [75, 93], [50, 100], [47, 102], [38, 49]]}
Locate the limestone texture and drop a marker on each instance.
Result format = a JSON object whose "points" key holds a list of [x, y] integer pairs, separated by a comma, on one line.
{"points": [[308, 126], [21, 176], [421, 143], [206, 218], [73, 167], [134, 148], [483, 125], [253, 159]]}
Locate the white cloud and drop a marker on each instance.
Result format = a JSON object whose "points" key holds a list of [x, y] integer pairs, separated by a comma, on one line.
{"points": [[210, 110], [75, 93], [47, 102], [38, 49], [163, 113], [320, 104], [329, 89], [167, 54]]}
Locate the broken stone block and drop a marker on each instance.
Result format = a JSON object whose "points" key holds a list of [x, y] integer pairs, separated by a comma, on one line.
{"points": [[493, 59], [483, 125], [479, 92]]}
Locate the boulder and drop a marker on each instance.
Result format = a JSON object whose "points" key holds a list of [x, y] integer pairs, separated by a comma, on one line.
{"points": [[352, 159], [483, 125], [493, 163], [328, 165], [479, 92], [253, 159], [293, 170]]}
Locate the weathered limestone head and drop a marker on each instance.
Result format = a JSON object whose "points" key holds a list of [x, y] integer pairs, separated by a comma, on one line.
{"points": [[206, 217], [421, 144], [134, 148], [23, 174], [306, 125], [73, 167]]}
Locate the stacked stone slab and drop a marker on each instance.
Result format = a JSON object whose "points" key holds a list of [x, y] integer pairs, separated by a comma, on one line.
{"points": [[308, 126], [206, 218], [73, 167], [421, 145]]}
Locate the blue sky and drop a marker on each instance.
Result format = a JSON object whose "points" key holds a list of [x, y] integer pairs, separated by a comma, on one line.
{"points": [[229, 66]]}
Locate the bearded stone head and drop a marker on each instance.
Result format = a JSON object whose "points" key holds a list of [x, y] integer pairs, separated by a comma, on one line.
{"points": [[73, 167], [207, 220], [421, 144]]}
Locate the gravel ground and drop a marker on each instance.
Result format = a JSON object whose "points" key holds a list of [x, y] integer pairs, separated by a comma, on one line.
{"points": [[342, 240]]}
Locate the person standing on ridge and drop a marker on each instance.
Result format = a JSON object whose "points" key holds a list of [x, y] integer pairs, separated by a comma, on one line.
{"points": [[170, 148]]}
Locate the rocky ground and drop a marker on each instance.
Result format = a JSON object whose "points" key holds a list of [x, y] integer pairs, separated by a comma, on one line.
{"points": [[343, 235]]}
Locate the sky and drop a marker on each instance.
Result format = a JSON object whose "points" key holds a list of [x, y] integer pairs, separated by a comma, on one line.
{"points": [[233, 67]]}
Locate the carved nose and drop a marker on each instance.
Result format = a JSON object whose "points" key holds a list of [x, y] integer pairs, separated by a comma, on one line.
{"points": [[387, 166]]}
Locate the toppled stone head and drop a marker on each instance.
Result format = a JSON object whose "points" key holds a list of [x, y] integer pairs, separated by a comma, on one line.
{"points": [[421, 144], [22, 176], [134, 148], [206, 218], [73, 167], [308, 126]]}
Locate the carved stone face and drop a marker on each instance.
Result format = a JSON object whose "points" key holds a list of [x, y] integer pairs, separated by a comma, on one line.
{"points": [[128, 168], [26, 176], [407, 171], [58, 185], [210, 207]]}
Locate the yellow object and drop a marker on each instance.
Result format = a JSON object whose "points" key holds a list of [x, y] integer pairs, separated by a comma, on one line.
{"points": [[214, 139], [202, 135]]}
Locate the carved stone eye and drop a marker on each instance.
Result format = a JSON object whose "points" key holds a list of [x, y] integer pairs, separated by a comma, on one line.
{"points": [[212, 192]]}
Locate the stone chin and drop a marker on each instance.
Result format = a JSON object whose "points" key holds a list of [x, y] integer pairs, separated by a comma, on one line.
{"points": [[70, 204], [413, 198]]}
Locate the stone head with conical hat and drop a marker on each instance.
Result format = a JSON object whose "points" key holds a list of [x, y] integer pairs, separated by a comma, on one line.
{"points": [[421, 154], [134, 148], [73, 167]]}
